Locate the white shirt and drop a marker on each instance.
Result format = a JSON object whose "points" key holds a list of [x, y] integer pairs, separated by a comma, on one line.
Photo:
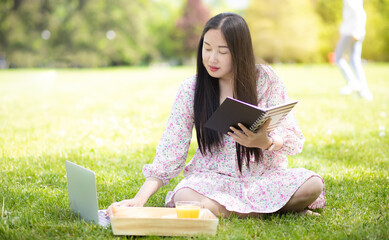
{"points": [[354, 19]]}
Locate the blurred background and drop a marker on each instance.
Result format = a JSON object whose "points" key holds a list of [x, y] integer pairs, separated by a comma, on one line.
{"points": [[104, 33]]}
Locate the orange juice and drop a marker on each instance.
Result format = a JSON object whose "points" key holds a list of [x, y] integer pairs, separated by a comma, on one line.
{"points": [[188, 211]]}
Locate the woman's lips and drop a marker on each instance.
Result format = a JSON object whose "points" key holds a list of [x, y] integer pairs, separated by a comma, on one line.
{"points": [[213, 69]]}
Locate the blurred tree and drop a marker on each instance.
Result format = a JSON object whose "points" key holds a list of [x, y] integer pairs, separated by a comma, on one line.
{"points": [[20, 31], [219, 6], [99, 33], [165, 32], [84, 33], [330, 15], [284, 30], [191, 25], [376, 43]]}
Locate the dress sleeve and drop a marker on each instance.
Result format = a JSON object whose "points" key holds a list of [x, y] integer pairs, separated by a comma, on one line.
{"points": [[289, 129], [173, 147]]}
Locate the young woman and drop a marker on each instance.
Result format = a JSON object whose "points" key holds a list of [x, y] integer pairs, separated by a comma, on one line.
{"points": [[241, 173]]}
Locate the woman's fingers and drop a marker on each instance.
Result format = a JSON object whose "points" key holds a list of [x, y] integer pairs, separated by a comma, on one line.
{"points": [[246, 131], [247, 138], [124, 203], [239, 136], [266, 124]]}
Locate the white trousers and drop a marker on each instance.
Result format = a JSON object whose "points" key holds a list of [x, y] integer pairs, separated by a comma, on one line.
{"points": [[355, 75]]}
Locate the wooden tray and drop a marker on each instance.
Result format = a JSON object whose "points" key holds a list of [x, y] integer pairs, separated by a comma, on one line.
{"points": [[160, 221]]}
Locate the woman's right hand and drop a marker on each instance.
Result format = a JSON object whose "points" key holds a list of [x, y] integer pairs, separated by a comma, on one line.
{"points": [[125, 203], [149, 187]]}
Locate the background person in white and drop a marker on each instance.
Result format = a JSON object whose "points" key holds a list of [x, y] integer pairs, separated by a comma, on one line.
{"points": [[352, 33]]}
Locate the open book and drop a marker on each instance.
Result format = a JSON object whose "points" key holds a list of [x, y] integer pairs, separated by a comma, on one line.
{"points": [[232, 111]]}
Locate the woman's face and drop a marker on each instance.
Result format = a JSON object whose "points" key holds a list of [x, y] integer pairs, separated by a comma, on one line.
{"points": [[216, 55]]}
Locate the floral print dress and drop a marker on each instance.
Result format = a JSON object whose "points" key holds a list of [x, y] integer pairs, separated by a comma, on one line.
{"points": [[263, 188]]}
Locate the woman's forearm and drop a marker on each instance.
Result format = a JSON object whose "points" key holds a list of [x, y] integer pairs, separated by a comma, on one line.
{"points": [[149, 187]]}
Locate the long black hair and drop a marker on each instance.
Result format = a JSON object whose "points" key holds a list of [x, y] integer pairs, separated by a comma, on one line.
{"points": [[207, 93]]}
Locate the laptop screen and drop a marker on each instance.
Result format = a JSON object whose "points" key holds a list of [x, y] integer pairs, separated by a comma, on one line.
{"points": [[82, 192]]}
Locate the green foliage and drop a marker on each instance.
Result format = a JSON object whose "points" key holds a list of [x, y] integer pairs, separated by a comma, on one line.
{"points": [[279, 30], [306, 31], [330, 14], [376, 44], [164, 30], [196, 14], [111, 121], [79, 32], [87, 33]]}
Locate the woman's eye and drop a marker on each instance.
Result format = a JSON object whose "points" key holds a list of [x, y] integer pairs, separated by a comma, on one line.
{"points": [[223, 52]]}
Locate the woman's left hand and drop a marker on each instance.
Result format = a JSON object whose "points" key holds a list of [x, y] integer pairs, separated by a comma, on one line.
{"points": [[247, 138]]}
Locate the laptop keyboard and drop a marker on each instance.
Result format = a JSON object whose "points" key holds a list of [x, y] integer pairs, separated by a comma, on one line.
{"points": [[103, 220]]}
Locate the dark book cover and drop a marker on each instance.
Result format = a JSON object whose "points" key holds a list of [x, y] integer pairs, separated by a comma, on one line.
{"points": [[232, 111]]}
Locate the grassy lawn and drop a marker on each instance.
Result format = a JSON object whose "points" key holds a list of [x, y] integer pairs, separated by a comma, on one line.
{"points": [[111, 120]]}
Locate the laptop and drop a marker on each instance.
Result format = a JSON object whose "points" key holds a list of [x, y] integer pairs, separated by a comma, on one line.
{"points": [[83, 194]]}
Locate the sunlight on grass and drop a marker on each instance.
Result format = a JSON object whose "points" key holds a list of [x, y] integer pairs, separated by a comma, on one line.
{"points": [[111, 120]]}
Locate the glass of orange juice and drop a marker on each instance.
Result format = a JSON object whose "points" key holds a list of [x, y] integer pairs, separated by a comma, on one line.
{"points": [[187, 209]]}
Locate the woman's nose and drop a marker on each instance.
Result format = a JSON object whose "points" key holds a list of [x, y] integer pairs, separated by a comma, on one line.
{"points": [[213, 57]]}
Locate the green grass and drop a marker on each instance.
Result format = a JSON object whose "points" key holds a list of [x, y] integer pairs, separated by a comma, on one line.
{"points": [[111, 120]]}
